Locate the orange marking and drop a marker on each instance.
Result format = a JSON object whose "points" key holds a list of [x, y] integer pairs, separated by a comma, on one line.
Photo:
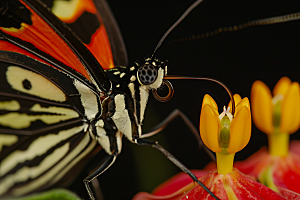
{"points": [[43, 37], [11, 47], [101, 48]]}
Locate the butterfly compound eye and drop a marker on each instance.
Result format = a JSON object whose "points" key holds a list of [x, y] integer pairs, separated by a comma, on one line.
{"points": [[147, 74]]}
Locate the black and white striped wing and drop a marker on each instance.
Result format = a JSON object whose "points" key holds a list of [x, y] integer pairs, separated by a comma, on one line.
{"points": [[45, 116]]}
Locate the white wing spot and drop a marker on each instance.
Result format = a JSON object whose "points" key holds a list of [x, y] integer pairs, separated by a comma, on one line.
{"points": [[10, 105], [88, 100], [37, 148], [40, 86], [22, 120], [122, 75], [65, 10], [7, 140]]}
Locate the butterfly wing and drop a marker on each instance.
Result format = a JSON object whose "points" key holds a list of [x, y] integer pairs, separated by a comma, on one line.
{"points": [[28, 25], [49, 94], [100, 35], [44, 123]]}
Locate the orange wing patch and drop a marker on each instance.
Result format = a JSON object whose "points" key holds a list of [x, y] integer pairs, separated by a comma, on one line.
{"points": [[101, 48], [11, 47], [70, 11], [43, 37]]}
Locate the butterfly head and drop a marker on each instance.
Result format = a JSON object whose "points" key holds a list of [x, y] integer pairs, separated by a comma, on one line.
{"points": [[152, 72], [130, 93]]}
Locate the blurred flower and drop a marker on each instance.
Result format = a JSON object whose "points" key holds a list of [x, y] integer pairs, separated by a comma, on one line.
{"points": [[277, 117]]}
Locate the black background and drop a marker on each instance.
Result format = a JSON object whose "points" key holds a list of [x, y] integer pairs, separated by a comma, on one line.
{"points": [[237, 58]]}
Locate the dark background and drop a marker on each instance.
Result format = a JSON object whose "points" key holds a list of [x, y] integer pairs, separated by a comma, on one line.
{"points": [[237, 58]]}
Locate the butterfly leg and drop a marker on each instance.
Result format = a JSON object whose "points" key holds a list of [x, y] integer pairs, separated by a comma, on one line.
{"points": [[173, 115], [110, 139], [97, 189], [154, 144], [106, 163]]}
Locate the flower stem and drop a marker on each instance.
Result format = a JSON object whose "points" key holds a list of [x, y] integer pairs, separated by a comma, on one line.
{"points": [[279, 143], [225, 163]]}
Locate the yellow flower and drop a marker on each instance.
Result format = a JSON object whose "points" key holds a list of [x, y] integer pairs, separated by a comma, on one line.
{"points": [[278, 116], [281, 112], [225, 133]]}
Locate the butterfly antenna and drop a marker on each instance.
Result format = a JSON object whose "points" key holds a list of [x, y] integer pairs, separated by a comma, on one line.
{"points": [[183, 16], [259, 22], [169, 85]]}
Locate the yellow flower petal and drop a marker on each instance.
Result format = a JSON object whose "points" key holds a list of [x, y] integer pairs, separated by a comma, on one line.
{"points": [[209, 128], [240, 130], [282, 86], [262, 108], [243, 103], [237, 98], [207, 99], [290, 109]]}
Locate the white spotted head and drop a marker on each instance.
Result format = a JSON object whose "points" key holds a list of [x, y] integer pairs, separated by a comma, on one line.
{"points": [[151, 73]]}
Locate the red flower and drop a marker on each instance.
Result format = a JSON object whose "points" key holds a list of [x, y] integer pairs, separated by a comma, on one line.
{"points": [[234, 185], [274, 171]]}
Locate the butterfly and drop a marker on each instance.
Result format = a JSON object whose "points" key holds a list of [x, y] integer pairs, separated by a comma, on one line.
{"points": [[58, 106], [57, 102]]}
